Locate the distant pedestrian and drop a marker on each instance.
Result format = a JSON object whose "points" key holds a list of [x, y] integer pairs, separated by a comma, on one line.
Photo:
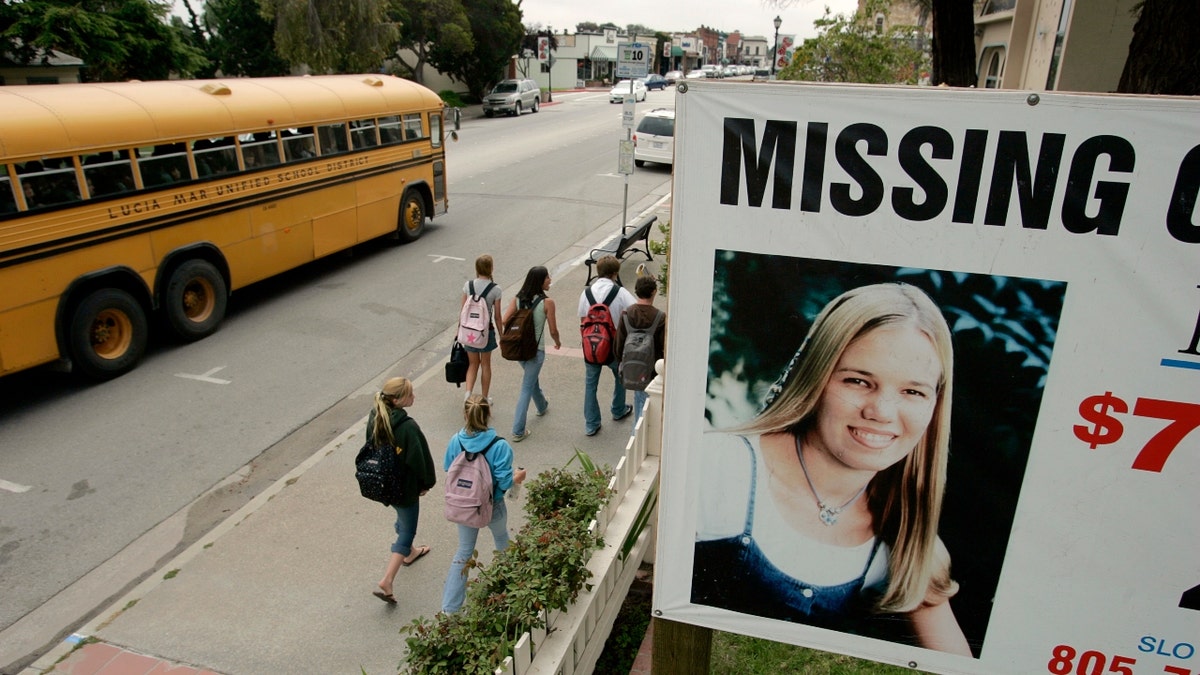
{"points": [[607, 269], [537, 282], [476, 435], [481, 357], [390, 423], [641, 315]]}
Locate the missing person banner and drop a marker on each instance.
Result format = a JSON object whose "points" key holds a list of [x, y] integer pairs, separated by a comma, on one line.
{"points": [[934, 376]]}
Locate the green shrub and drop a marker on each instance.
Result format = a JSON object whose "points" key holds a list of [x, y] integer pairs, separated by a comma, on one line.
{"points": [[452, 98]]}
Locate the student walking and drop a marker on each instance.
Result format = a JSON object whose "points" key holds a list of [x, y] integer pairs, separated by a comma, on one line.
{"points": [[533, 294], [480, 356], [642, 316], [477, 436], [389, 423], [604, 290]]}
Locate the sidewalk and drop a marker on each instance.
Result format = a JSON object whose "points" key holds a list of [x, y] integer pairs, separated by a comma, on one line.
{"points": [[284, 584]]}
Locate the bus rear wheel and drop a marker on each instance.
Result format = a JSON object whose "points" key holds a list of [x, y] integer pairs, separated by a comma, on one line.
{"points": [[195, 300], [412, 217], [108, 334]]}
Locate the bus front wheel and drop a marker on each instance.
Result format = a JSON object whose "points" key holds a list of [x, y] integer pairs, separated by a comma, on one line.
{"points": [[195, 300], [108, 334], [412, 217]]}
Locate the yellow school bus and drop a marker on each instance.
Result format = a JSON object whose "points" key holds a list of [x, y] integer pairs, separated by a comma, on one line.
{"points": [[122, 202]]}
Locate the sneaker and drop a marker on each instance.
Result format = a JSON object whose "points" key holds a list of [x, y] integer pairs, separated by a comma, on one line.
{"points": [[623, 415], [517, 438], [490, 402], [593, 432], [543, 411]]}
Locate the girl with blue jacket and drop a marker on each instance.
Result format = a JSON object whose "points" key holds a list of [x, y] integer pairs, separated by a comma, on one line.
{"points": [[476, 435]]}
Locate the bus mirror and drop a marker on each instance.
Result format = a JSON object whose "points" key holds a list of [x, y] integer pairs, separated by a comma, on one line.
{"points": [[457, 120], [454, 136]]}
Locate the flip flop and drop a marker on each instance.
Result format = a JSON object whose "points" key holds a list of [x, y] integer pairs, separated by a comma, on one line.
{"points": [[421, 551], [386, 597]]}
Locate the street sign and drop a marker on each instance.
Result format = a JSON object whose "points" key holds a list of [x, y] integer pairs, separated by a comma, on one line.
{"points": [[634, 59], [628, 109], [625, 158]]}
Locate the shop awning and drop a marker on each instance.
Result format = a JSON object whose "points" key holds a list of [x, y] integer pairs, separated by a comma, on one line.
{"points": [[604, 54], [676, 51]]}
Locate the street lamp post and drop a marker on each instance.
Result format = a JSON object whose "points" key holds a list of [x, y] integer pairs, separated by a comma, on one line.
{"points": [[775, 52]]}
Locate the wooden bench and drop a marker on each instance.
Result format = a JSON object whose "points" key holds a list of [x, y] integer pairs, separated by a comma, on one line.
{"points": [[626, 244]]}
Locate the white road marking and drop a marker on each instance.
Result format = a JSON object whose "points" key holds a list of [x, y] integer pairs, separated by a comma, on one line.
{"points": [[440, 258], [13, 487], [206, 377]]}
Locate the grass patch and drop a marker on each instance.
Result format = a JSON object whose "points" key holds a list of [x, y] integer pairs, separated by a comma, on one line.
{"points": [[734, 654], [171, 574]]}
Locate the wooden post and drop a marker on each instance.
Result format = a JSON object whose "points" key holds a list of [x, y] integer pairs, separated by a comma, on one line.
{"points": [[680, 648]]}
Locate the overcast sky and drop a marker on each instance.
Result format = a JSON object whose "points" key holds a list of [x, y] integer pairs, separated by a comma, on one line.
{"points": [[751, 17]]}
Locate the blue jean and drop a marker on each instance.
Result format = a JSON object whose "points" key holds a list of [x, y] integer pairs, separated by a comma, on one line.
{"points": [[591, 406], [406, 528], [455, 590], [639, 402], [530, 389]]}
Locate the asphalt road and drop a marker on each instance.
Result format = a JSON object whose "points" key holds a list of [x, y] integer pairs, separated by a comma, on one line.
{"points": [[86, 470]]}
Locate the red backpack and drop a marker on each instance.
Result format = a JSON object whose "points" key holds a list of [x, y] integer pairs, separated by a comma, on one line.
{"points": [[597, 330]]}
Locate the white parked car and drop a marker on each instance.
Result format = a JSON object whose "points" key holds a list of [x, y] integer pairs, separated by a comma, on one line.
{"points": [[654, 138], [696, 74], [621, 89]]}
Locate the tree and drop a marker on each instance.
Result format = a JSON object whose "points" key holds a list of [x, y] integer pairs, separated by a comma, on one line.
{"points": [[1164, 57], [849, 49], [953, 47], [337, 36], [435, 31], [116, 39], [240, 40], [497, 31]]}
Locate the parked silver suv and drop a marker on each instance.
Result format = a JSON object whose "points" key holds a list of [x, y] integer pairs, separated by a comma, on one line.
{"points": [[513, 97]]}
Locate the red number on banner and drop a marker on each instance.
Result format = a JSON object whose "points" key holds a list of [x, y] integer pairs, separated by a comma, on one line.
{"points": [[1091, 663], [1120, 664], [1176, 670], [1063, 661], [1184, 418]]}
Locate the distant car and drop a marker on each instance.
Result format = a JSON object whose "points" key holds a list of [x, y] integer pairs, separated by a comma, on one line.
{"points": [[761, 75], [696, 75], [673, 76], [655, 81], [512, 97], [621, 89], [711, 71], [654, 139]]}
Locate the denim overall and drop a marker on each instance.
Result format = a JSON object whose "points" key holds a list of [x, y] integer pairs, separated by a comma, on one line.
{"points": [[734, 574]]}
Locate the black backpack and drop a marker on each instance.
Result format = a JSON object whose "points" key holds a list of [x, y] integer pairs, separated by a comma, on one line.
{"points": [[519, 341], [378, 468]]}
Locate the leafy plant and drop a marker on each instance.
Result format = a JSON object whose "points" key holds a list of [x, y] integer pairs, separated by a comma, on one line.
{"points": [[452, 98], [543, 568], [662, 248]]}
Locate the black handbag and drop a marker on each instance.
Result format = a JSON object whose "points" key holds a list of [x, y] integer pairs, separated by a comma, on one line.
{"points": [[456, 368]]}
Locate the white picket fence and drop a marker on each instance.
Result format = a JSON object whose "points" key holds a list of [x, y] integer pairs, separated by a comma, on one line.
{"points": [[575, 637]]}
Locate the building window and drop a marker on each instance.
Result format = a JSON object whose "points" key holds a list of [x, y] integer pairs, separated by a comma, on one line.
{"points": [[994, 70]]}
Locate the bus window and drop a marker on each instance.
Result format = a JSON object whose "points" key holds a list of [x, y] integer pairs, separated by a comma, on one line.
{"points": [[259, 150], [412, 126], [215, 156], [8, 200], [298, 144], [108, 173], [362, 133], [389, 130], [435, 130], [48, 182], [163, 164], [332, 138]]}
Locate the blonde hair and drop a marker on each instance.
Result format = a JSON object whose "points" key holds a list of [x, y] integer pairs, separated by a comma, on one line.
{"points": [[906, 498], [394, 391], [477, 412], [483, 266]]}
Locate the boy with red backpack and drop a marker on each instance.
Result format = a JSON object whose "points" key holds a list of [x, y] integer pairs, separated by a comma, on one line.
{"points": [[600, 305]]}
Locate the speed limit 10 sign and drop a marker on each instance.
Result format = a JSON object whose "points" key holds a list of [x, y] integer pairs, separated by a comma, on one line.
{"points": [[634, 59]]}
